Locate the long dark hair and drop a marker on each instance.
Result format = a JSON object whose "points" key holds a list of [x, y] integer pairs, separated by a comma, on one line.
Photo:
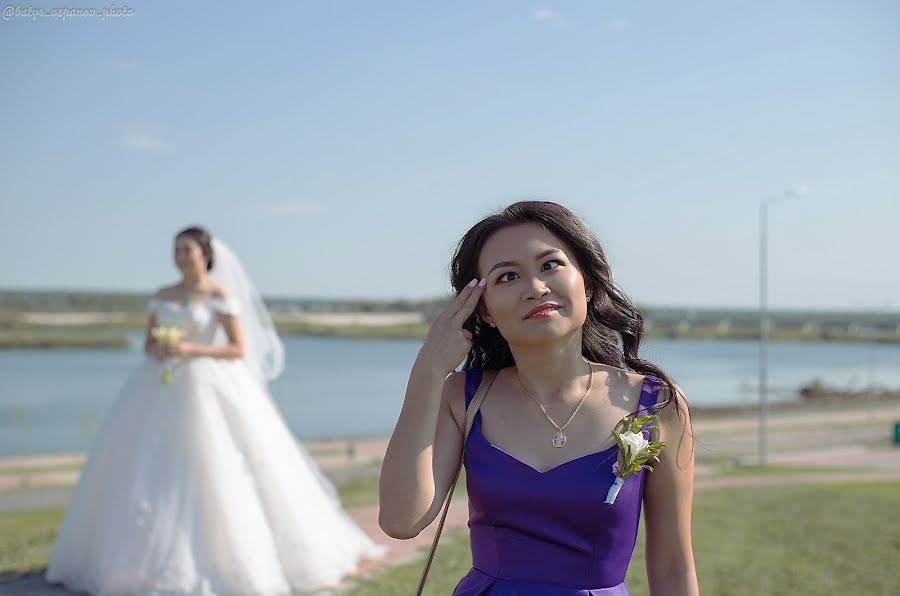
{"points": [[201, 237], [612, 331]]}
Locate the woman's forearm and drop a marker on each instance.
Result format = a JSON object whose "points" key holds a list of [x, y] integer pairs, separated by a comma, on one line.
{"points": [[226, 352], [406, 487], [683, 583]]}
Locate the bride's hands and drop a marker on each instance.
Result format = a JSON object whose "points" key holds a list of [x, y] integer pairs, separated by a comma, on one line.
{"points": [[181, 349], [157, 352], [447, 343]]}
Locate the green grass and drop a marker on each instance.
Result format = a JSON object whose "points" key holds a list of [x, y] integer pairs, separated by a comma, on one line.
{"points": [[451, 562], [364, 491], [793, 540], [806, 540], [27, 538], [359, 492], [774, 471], [62, 340]]}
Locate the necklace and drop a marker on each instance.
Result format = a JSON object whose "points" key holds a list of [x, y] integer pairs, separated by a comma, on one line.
{"points": [[559, 439]]}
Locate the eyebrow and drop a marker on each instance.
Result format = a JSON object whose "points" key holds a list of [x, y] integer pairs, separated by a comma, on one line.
{"points": [[537, 258]]}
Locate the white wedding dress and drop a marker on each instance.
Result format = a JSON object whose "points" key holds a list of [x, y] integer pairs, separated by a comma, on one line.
{"points": [[197, 487]]}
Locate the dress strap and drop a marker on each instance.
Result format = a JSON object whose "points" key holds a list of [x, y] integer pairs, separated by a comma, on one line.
{"points": [[649, 396], [649, 392], [473, 380]]}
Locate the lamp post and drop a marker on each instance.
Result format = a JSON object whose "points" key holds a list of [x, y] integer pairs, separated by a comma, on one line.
{"points": [[790, 193]]}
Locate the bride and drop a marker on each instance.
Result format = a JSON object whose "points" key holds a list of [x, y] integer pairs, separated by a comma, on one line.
{"points": [[194, 485]]}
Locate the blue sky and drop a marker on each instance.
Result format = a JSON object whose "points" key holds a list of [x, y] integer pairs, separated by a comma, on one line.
{"points": [[342, 148]]}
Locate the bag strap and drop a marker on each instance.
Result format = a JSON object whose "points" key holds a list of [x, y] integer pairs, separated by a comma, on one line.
{"points": [[487, 379]]}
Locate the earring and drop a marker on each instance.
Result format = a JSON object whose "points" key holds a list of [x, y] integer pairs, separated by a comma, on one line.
{"points": [[588, 297], [492, 324]]}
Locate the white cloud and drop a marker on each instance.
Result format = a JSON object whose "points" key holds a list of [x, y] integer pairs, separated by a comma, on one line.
{"points": [[144, 143], [544, 14]]}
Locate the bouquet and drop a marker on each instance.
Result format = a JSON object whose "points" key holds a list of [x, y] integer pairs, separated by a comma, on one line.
{"points": [[167, 336]]}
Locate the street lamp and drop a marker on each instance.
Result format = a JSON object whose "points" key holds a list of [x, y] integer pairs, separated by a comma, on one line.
{"points": [[789, 193]]}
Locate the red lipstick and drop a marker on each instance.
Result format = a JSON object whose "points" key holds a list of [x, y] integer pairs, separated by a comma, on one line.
{"points": [[542, 311]]}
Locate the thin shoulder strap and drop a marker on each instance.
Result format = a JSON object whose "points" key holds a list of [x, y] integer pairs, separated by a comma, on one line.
{"points": [[487, 378], [649, 394], [649, 397], [473, 380]]}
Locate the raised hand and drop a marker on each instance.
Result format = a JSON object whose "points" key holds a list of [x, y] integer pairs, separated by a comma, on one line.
{"points": [[447, 343]]}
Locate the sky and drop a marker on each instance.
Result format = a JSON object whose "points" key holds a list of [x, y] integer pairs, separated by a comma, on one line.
{"points": [[343, 148]]}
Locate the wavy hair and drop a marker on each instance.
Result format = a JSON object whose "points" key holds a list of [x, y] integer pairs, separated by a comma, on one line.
{"points": [[612, 331]]}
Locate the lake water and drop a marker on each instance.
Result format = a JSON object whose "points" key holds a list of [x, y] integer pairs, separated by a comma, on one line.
{"points": [[54, 400]]}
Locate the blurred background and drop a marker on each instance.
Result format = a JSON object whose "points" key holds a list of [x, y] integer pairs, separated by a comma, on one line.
{"points": [[342, 149]]}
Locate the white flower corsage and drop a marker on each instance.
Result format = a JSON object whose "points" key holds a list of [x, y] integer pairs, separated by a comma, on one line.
{"points": [[634, 451]]}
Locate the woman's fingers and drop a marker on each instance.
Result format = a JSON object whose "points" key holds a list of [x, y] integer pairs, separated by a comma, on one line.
{"points": [[471, 302], [460, 299], [447, 341]]}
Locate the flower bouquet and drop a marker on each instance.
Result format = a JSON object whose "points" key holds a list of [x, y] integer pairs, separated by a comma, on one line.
{"points": [[167, 336]]}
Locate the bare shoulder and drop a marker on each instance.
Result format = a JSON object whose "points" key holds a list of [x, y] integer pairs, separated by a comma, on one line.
{"points": [[675, 419], [166, 293], [218, 292], [626, 378], [634, 379], [676, 402]]}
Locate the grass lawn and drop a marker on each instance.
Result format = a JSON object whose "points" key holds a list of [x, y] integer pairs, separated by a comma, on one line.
{"points": [[760, 541], [770, 470], [27, 538], [805, 540]]}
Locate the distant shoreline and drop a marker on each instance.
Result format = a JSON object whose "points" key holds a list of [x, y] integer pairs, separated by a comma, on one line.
{"points": [[59, 319], [51, 331]]}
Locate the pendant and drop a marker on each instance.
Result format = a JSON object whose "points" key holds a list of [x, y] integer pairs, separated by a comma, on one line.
{"points": [[559, 440]]}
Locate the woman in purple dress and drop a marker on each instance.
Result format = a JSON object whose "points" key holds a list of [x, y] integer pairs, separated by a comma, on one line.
{"points": [[541, 308]]}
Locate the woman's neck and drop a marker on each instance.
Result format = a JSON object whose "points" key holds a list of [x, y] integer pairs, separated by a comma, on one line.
{"points": [[193, 282], [552, 372]]}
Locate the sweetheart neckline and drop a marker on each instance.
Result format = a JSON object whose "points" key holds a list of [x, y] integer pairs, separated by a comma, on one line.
{"points": [[477, 422], [188, 303], [547, 471]]}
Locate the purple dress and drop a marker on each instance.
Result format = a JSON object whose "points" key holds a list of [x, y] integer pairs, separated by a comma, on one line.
{"points": [[550, 533]]}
